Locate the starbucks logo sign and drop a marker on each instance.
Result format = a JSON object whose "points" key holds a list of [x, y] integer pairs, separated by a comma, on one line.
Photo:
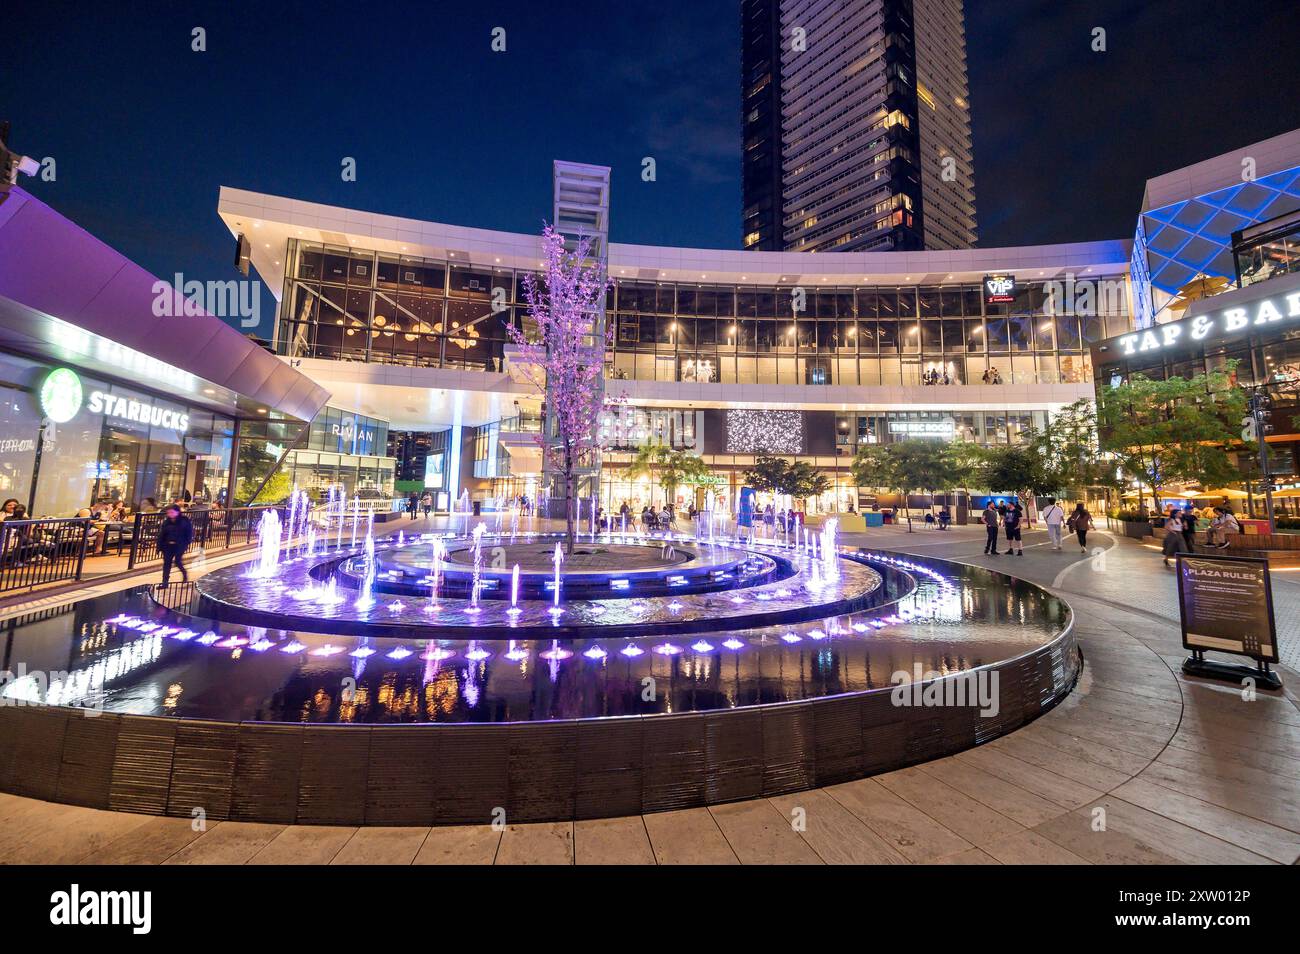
{"points": [[61, 395]]}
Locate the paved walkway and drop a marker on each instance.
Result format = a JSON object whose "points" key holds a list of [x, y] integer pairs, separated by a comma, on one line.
{"points": [[1139, 765]]}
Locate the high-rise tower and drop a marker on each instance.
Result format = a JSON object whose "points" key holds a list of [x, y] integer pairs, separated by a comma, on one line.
{"points": [[856, 126]]}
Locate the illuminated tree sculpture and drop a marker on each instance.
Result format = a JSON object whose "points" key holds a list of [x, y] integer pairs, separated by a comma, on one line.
{"points": [[563, 355]]}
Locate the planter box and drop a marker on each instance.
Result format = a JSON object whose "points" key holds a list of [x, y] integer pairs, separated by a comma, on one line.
{"points": [[1137, 529]]}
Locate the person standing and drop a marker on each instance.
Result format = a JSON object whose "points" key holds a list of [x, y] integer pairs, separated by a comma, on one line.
{"points": [[175, 534], [1080, 523], [1189, 529], [1054, 518], [1011, 525], [412, 506], [991, 519]]}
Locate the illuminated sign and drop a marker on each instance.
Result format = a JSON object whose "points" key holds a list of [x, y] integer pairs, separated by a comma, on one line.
{"points": [[943, 428], [139, 412], [433, 471], [352, 437], [1237, 320], [141, 367], [999, 289], [61, 395]]}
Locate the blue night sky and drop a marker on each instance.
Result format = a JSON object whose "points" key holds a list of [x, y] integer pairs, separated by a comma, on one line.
{"points": [[144, 130]]}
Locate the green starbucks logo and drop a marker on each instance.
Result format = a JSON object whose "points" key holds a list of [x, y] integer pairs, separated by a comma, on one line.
{"points": [[61, 395]]}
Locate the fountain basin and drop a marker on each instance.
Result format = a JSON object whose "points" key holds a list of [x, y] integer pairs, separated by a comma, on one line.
{"points": [[265, 724]]}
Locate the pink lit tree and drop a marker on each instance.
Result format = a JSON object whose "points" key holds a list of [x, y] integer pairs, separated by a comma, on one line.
{"points": [[564, 358]]}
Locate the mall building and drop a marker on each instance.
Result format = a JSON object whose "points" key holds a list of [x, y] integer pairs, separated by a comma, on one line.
{"points": [[107, 397], [390, 345], [752, 353]]}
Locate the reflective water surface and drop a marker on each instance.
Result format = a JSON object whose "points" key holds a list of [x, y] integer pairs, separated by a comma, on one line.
{"points": [[126, 653]]}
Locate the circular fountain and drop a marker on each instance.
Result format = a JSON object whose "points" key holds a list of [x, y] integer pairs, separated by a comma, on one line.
{"points": [[433, 678]]}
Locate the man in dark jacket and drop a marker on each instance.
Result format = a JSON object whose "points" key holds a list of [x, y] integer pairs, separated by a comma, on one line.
{"points": [[174, 535], [991, 519]]}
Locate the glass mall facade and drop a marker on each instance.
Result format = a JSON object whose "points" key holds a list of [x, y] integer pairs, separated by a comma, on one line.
{"points": [[359, 305]]}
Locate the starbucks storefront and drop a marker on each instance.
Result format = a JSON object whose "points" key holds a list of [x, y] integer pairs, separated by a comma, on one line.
{"points": [[71, 439]]}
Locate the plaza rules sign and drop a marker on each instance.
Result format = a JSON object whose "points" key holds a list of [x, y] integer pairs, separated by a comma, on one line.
{"points": [[1226, 604]]}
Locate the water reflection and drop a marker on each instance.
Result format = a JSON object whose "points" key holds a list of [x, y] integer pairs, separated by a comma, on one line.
{"points": [[141, 659]]}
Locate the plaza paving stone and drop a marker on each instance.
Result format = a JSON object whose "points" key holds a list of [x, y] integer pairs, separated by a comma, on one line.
{"points": [[1182, 771]]}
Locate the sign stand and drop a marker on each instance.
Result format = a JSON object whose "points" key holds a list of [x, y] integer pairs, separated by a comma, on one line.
{"points": [[1197, 665], [1225, 604]]}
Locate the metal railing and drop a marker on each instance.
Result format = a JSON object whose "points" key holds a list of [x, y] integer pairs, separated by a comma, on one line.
{"points": [[213, 530], [35, 552]]}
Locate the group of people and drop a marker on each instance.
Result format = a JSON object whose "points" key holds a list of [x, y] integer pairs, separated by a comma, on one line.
{"points": [[417, 502], [651, 519], [935, 376], [943, 521], [1181, 525], [991, 376], [1008, 518]]}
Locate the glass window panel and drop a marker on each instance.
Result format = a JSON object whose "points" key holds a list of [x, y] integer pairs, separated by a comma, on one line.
{"points": [[887, 334], [954, 337], [336, 265], [1044, 334], [1022, 332], [910, 335], [866, 302], [470, 283], [1067, 333], [928, 302], [931, 338], [906, 302], [1093, 330], [950, 302], [310, 261]]}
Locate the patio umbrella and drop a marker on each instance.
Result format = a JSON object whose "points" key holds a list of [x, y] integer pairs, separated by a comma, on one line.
{"points": [[1228, 493]]}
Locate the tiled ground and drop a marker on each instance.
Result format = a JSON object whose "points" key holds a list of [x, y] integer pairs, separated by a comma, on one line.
{"points": [[1139, 765]]}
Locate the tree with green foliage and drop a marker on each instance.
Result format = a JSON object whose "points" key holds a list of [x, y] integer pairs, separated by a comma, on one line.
{"points": [[966, 459], [768, 474], [680, 467], [276, 490], [796, 479], [803, 480], [905, 466], [1068, 448], [647, 461], [1018, 468], [1173, 431]]}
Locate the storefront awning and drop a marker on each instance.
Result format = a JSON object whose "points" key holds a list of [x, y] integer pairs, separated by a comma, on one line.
{"points": [[66, 296]]}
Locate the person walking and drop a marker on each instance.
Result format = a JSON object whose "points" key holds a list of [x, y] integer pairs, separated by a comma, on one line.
{"points": [[426, 503], [1174, 542], [412, 505], [175, 534], [991, 519], [1011, 526], [1054, 518], [1079, 524]]}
